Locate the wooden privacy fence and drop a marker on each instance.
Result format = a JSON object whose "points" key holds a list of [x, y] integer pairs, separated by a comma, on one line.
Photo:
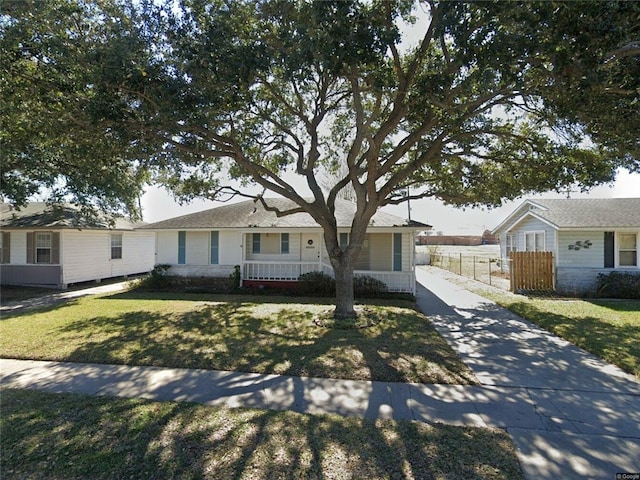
{"points": [[531, 271]]}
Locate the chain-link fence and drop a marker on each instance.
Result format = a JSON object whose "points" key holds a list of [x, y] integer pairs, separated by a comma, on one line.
{"points": [[490, 270]]}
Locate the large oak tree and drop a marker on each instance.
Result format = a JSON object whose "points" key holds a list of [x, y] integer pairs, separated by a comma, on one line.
{"points": [[493, 100]]}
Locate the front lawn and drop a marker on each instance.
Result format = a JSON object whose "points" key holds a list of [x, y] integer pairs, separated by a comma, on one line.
{"points": [[75, 436], [246, 334]]}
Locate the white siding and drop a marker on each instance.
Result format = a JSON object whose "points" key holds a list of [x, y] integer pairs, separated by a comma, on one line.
{"points": [[381, 251], [270, 248], [230, 247], [213, 271], [408, 244], [198, 251], [138, 250], [530, 224], [197, 248], [18, 247], [87, 255], [592, 257], [167, 247]]}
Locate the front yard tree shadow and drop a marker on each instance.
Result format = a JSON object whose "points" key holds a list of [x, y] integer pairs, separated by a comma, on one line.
{"points": [[273, 339], [77, 436]]}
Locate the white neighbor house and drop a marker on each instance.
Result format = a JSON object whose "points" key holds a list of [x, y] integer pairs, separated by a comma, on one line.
{"points": [[587, 237], [276, 251], [55, 247]]}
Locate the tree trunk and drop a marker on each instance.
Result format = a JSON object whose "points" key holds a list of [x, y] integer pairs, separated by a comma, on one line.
{"points": [[343, 271]]}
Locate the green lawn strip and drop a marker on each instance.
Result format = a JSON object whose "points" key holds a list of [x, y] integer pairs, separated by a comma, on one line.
{"points": [[608, 328], [247, 334], [48, 435]]}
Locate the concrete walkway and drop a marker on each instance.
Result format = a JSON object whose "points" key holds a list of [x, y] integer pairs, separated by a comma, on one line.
{"points": [[60, 297], [569, 414]]}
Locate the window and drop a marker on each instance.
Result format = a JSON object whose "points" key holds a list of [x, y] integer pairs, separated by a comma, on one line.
{"points": [[284, 243], [43, 248], [116, 246], [397, 252], [215, 241], [182, 247], [627, 250], [534, 241], [256, 243], [511, 243]]}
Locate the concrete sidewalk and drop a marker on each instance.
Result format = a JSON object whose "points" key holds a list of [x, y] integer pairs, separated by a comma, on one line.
{"points": [[570, 414], [579, 416]]}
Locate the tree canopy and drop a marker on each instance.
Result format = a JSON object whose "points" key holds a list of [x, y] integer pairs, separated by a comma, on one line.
{"points": [[492, 101]]}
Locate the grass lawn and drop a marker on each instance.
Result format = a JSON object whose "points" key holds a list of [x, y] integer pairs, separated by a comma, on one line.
{"points": [[248, 334], [609, 329], [75, 436]]}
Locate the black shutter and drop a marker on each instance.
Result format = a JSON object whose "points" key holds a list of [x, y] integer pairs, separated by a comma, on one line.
{"points": [[609, 250], [31, 247], [6, 247], [55, 247]]}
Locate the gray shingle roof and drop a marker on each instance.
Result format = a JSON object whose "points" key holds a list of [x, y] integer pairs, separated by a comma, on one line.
{"points": [[572, 213], [252, 214], [42, 215]]}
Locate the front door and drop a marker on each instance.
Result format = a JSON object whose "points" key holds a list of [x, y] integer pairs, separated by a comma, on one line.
{"points": [[310, 247]]}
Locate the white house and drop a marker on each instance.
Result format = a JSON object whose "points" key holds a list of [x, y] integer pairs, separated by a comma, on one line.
{"points": [[273, 250], [56, 246], [587, 237]]}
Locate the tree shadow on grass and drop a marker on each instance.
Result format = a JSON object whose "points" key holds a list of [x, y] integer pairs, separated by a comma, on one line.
{"points": [[615, 343], [74, 436], [403, 347]]}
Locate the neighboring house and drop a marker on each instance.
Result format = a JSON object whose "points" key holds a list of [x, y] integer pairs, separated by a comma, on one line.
{"points": [[276, 251], [56, 246], [586, 236]]}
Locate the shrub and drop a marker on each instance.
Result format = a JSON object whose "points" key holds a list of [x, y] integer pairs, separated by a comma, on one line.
{"points": [[158, 277], [365, 286], [619, 285], [318, 284], [235, 277]]}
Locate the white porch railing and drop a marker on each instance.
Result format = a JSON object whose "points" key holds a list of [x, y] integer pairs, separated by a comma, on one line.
{"points": [[395, 281], [290, 271]]}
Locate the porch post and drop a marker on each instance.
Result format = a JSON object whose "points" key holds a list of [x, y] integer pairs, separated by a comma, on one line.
{"points": [[412, 261], [242, 256]]}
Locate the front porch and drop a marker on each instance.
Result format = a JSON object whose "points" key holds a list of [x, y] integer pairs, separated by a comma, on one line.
{"points": [[280, 272]]}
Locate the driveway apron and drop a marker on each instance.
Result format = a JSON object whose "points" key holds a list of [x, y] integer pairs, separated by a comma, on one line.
{"points": [[570, 414]]}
